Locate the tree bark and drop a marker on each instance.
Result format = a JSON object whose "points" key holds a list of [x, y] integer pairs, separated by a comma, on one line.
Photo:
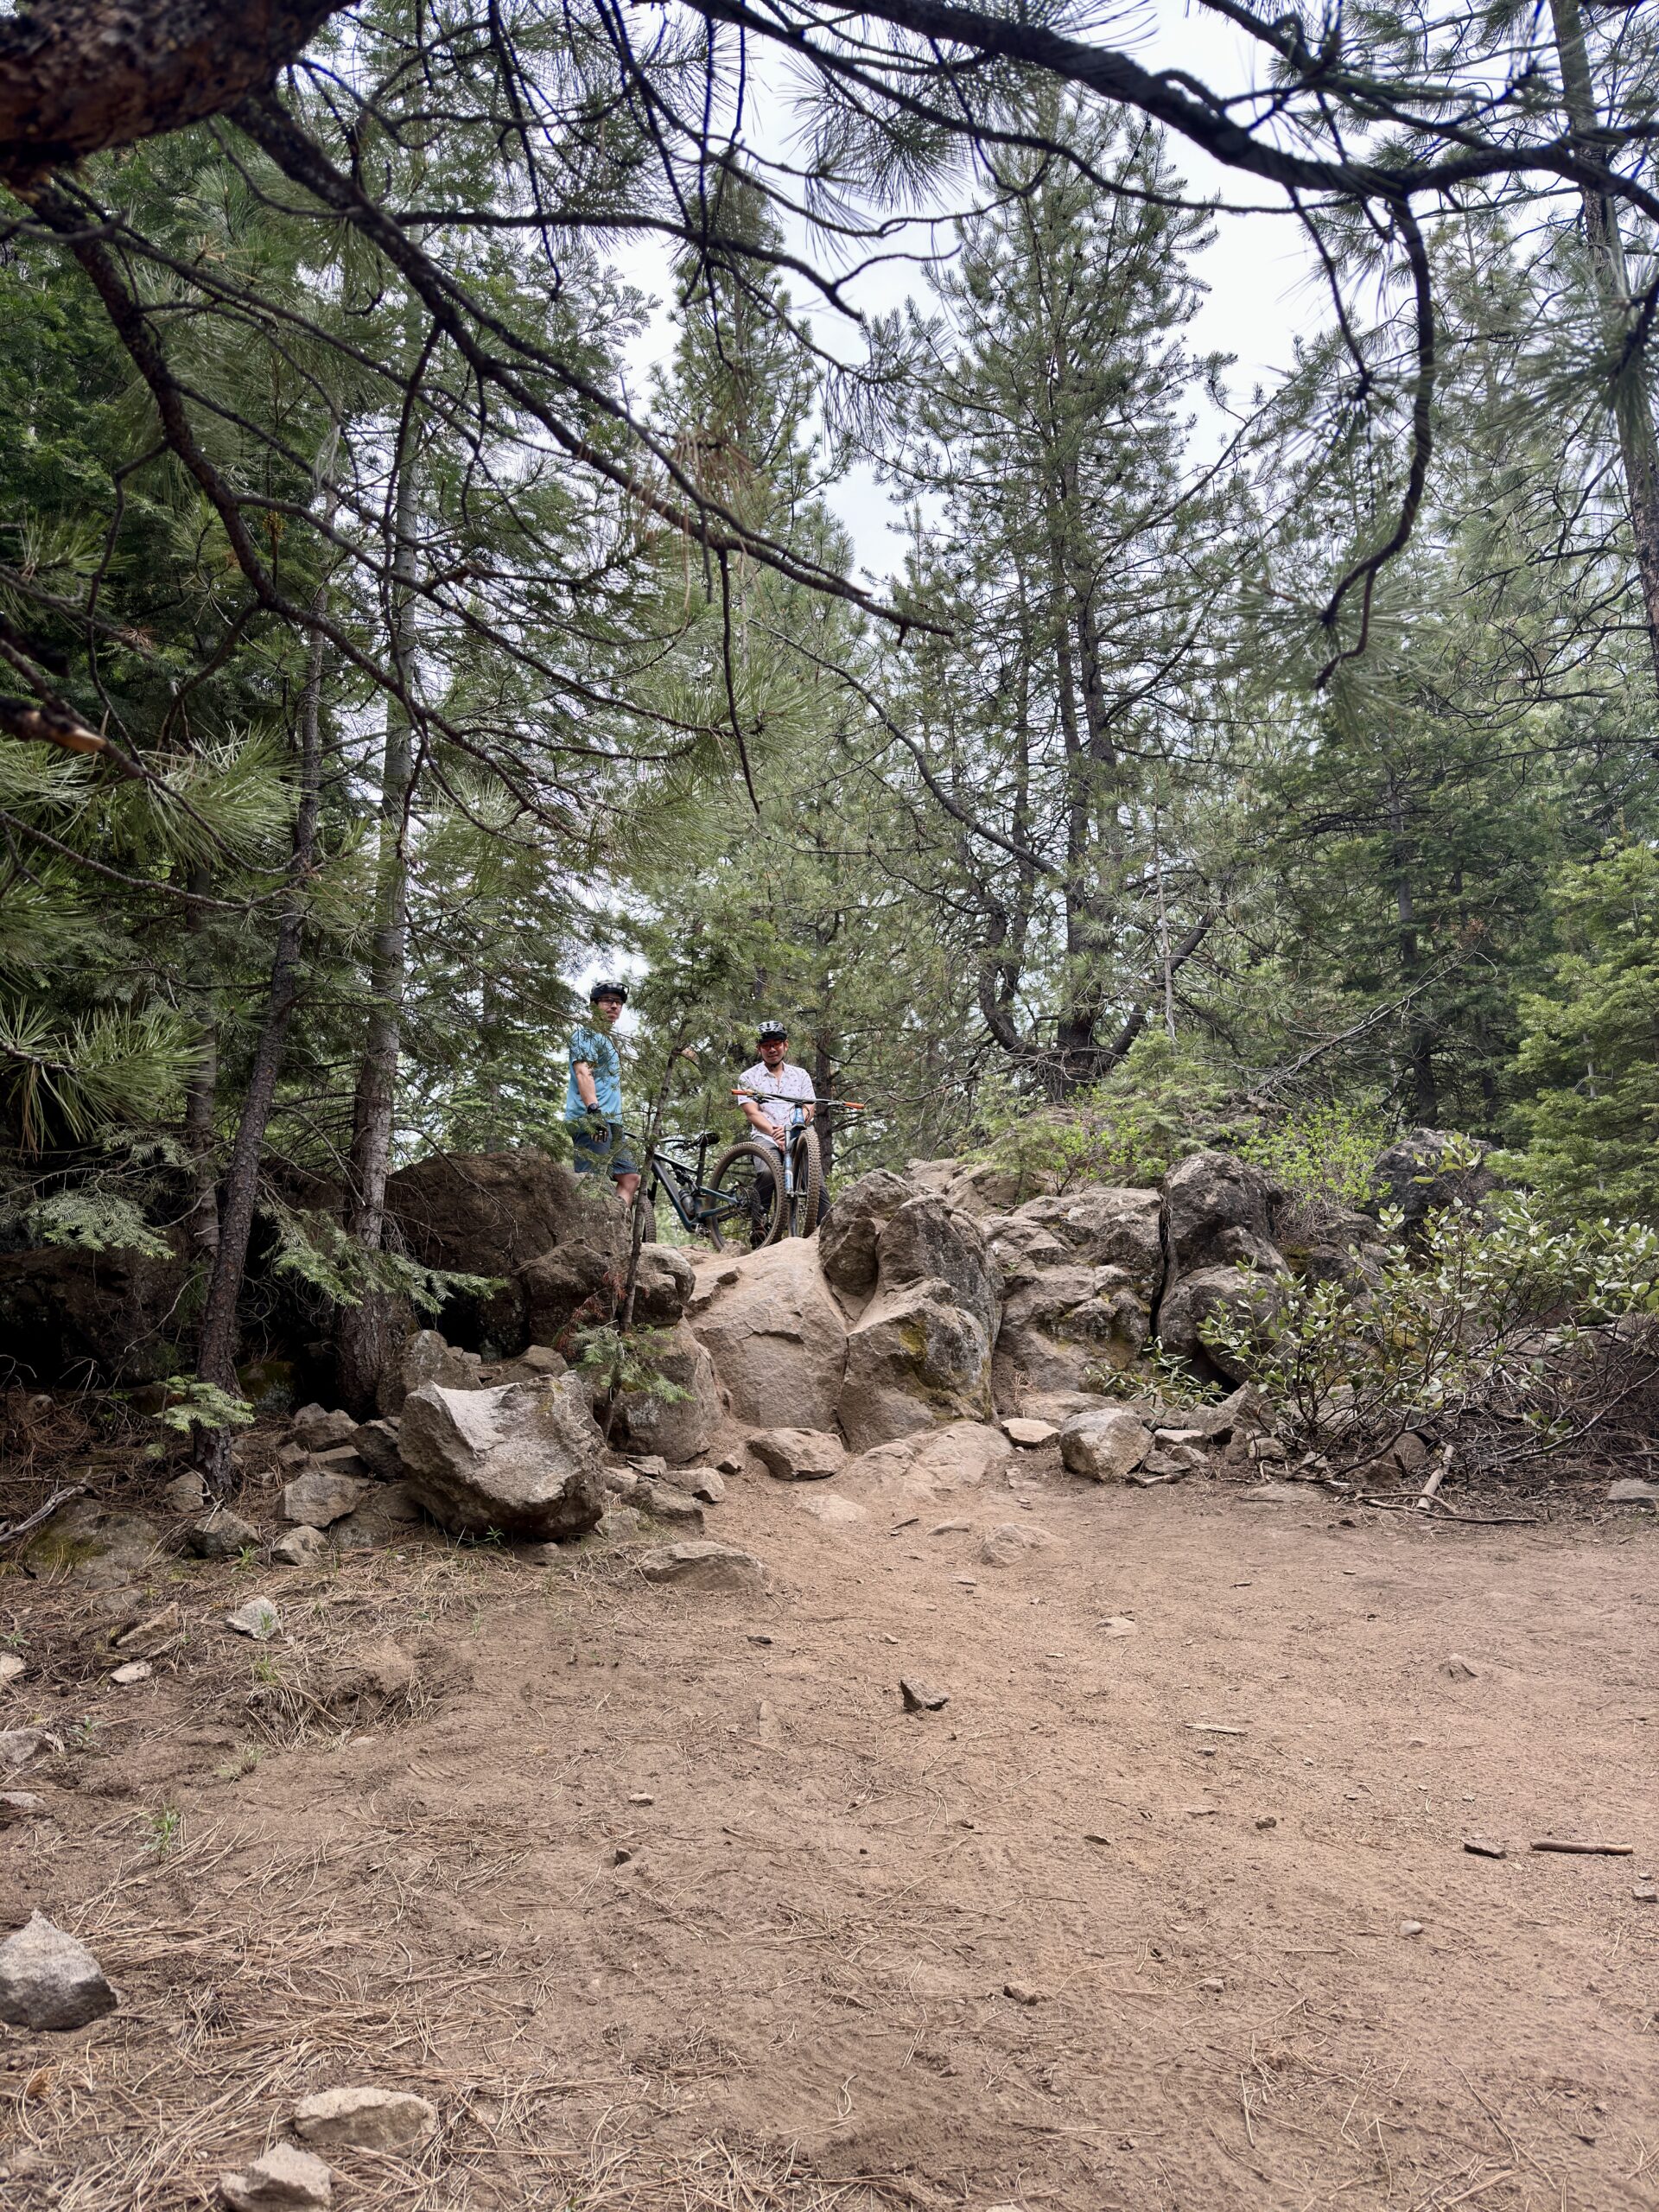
{"points": [[360, 1340], [216, 1353], [201, 1097], [76, 76], [1638, 447]]}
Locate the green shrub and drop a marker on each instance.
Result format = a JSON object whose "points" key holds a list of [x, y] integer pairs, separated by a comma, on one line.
{"points": [[1479, 1315], [1328, 1151], [1162, 1103]]}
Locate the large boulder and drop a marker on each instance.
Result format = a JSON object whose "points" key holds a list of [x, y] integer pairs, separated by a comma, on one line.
{"points": [[980, 1187], [920, 1353], [1323, 1241], [68, 1315], [1243, 1294], [558, 1239], [1417, 1176], [1219, 1226], [680, 1428], [847, 1240], [1219, 1213], [523, 1459], [930, 1463], [775, 1333], [1082, 1273], [1101, 1225], [1062, 1325]]}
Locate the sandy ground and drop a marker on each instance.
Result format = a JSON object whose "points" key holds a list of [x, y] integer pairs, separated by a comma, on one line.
{"points": [[664, 1900]]}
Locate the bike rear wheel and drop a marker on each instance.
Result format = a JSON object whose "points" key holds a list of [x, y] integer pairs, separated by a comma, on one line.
{"points": [[749, 1185], [806, 1199]]}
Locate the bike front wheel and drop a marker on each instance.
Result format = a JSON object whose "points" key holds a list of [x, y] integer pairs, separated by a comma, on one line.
{"points": [[747, 1197], [806, 1199]]}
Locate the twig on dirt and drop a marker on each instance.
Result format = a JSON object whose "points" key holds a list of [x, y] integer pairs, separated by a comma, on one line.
{"points": [[41, 1513], [1430, 1489], [1585, 1850]]}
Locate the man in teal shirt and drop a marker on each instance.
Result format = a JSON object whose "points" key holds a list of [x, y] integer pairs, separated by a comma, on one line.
{"points": [[593, 1098]]}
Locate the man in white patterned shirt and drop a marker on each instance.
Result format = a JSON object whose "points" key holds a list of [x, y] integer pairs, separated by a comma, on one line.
{"points": [[775, 1077]]}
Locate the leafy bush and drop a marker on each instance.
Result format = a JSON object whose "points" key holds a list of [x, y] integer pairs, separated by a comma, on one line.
{"points": [[1161, 1104], [1476, 1318], [1327, 1151]]}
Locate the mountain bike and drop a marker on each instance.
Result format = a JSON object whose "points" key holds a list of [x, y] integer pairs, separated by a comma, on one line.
{"points": [[798, 1167], [746, 1186]]}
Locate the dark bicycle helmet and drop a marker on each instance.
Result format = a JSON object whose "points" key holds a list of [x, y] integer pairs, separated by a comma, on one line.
{"points": [[608, 991], [768, 1030]]}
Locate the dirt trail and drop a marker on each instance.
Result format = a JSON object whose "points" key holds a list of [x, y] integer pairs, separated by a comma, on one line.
{"points": [[796, 1991]]}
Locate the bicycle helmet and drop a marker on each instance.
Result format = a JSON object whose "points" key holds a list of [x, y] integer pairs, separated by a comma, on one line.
{"points": [[608, 991], [772, 1032]]}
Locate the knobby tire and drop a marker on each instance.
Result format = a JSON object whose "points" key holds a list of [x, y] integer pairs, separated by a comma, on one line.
{"points": [[764, 1162]]}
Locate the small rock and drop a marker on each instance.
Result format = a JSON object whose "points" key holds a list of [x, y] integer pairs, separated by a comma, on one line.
{"points": [[1010, 1541], [1118, 1624], [1105, 1444], [651, 1466], [258, 1618], [1029, 1433], [1021, 1993], [377, 1447], [363, 2119], [286, 2179], [1213, 1985], [292, 1457], [669, 1505], [299, 1547], [10, 1666], [618, 1524], [220, 1534], [19, 1747], [621, 1855], [1459, 1668], [1411, 1928], [799, 1455], [730, 1463], [319, 1431], [695, 1482], [148, 1638], [621, 1482], [919, 1699], [1631, 1489], [541, 1359], [703, 1567], [324, 1495], [49, 1981], [1478, 1847], [135, 1671], [1645, 1893], [1266, 1820], [829, 1507], [19, 1805], [185, 1494]]}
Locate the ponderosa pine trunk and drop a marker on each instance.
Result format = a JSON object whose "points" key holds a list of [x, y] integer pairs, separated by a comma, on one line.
{"points": [[361, 1336], [1638, 447], [217, 1350]]}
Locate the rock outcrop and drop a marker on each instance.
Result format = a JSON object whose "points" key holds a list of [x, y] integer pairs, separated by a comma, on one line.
{"points": [[680, 1427], [523, 1459], [65, 1312], [919, 1353], [1081, 1275], [776, 1335], [1219, 1239], [558, 1239]]}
